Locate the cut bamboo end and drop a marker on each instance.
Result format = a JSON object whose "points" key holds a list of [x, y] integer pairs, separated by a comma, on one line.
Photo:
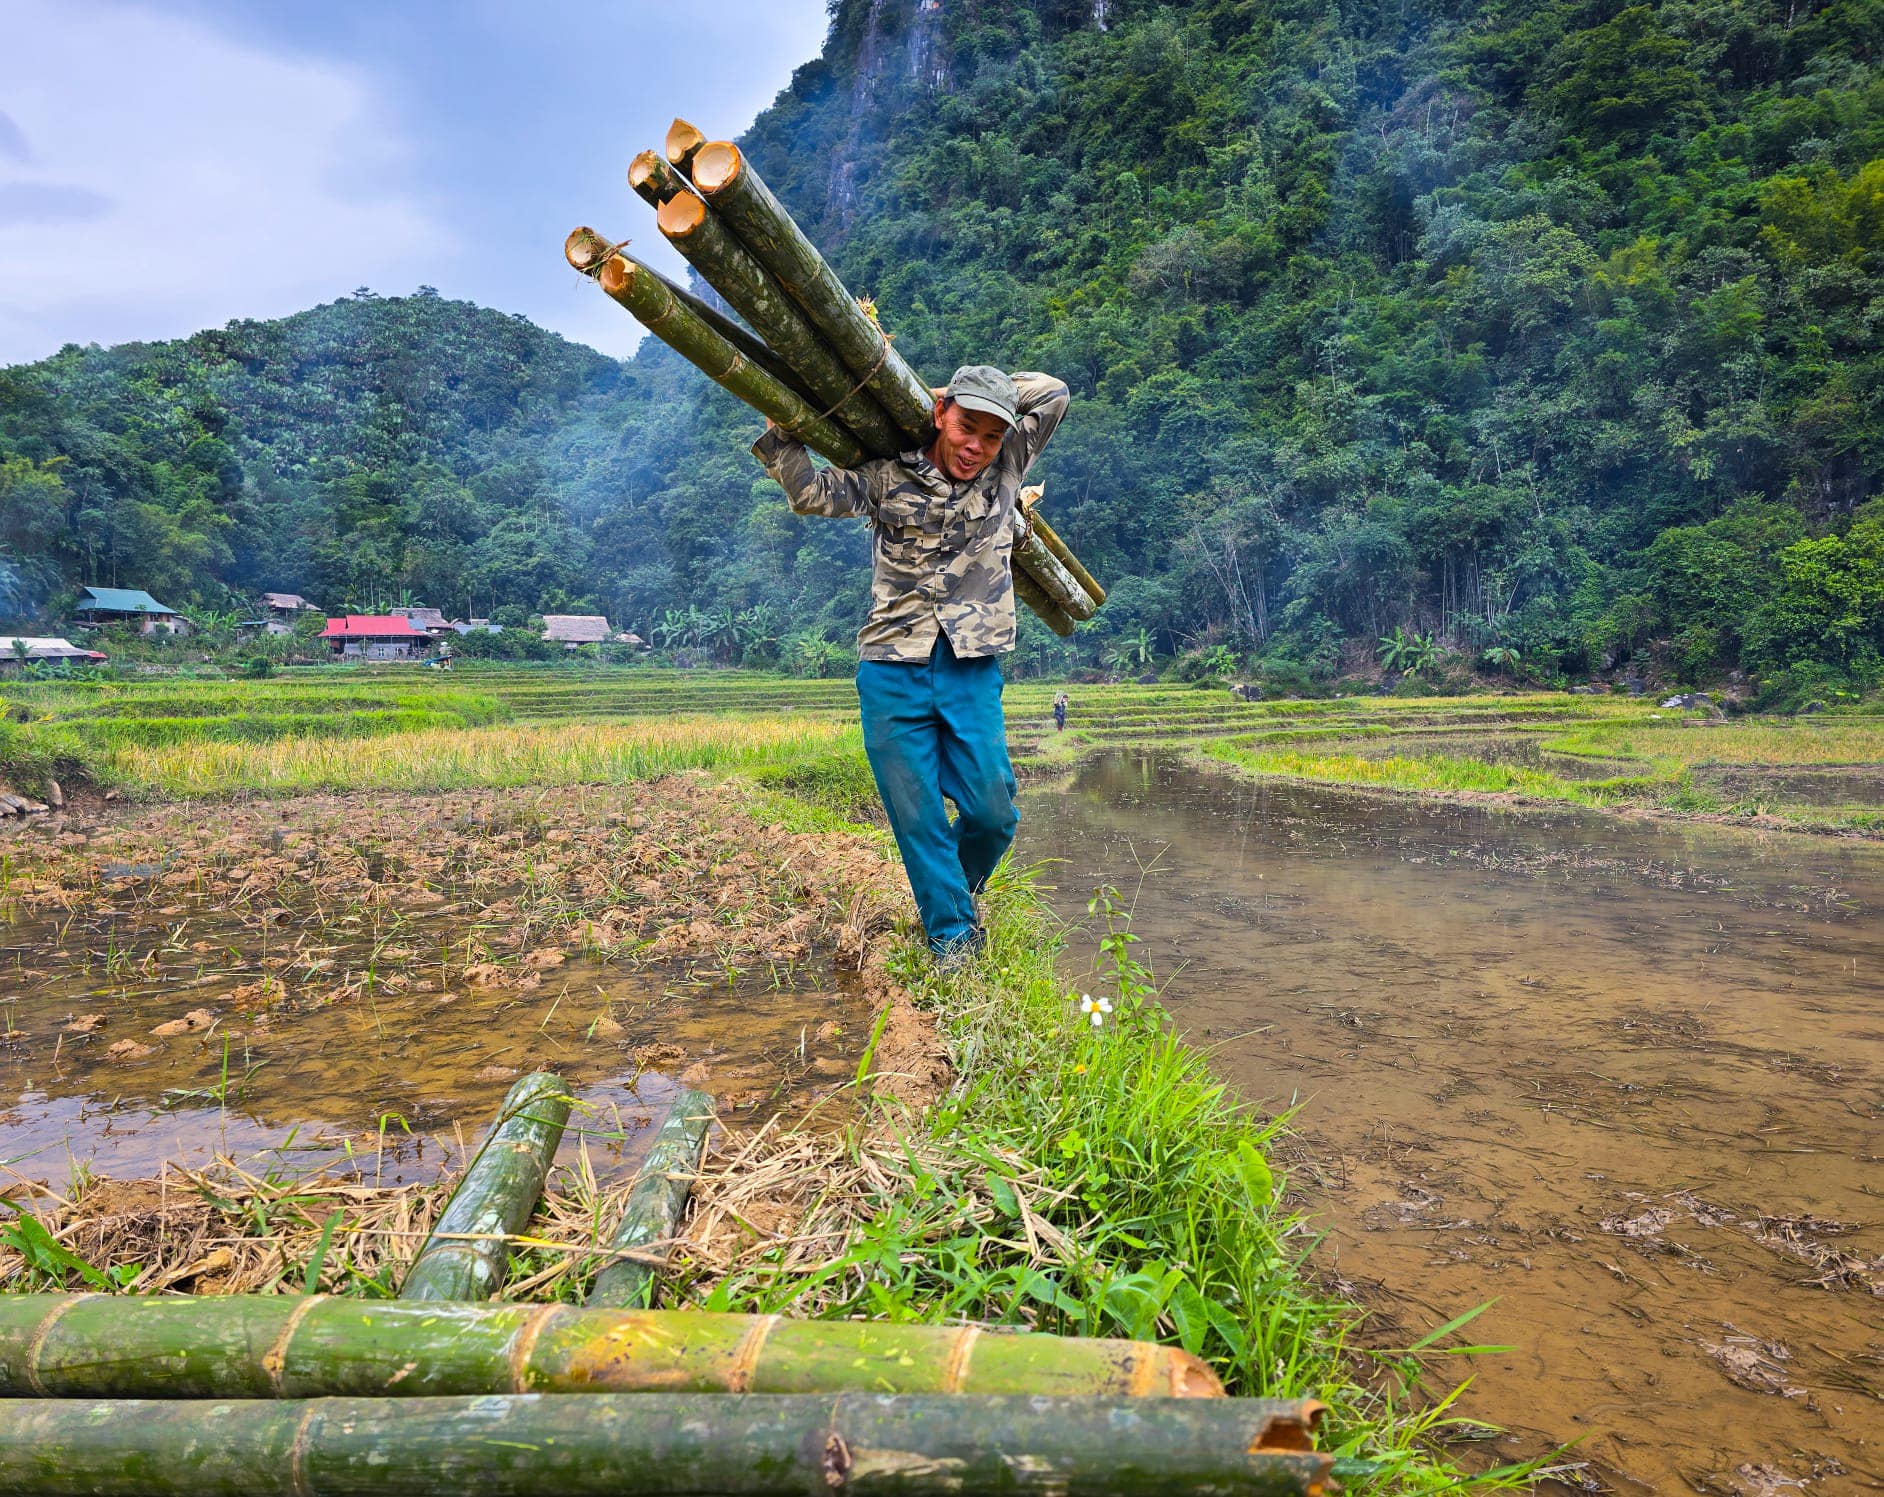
{"points": [[683, 143], [653, 179], [716, 165], [1290, 1429], [616, 276], [585, 250], [681, 214]]}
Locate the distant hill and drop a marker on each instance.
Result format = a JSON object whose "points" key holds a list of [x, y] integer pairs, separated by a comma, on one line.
{"points": [[1540, 325]]}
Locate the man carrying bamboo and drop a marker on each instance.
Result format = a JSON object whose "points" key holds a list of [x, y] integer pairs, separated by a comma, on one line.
{"points": [[943, 521]]}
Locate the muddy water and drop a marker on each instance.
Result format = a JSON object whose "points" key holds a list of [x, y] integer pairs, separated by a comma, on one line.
{"points": [[1624, 1078], [392, 1080]]}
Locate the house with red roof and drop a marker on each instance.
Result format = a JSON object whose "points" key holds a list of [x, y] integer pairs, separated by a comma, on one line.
{"points": [[375, 636]]}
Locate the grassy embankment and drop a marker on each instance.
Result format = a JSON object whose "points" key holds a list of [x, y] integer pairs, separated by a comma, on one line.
{"points": [[1085, 1180]]}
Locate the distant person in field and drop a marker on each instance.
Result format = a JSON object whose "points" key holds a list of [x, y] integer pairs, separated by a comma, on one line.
{"points": [[1059, 713], [943, 520]]}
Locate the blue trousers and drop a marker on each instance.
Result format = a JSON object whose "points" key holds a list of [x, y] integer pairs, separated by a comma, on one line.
{"points": [[933, 729]]}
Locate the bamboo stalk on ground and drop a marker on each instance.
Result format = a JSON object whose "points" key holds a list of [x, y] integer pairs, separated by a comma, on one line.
{"points": [[466, 1257], [735, 191], [587, 251], [667, 1444], [696, 340], [653, 1209], [683, 144], [1035, 597], [1031, 552], [282, 1346], [653, 179], [752, 292]]}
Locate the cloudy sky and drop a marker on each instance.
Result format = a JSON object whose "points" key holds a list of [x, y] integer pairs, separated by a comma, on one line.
{"points": [[171, 165]]}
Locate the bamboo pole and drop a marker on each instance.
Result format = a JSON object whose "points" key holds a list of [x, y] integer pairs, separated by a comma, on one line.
{"points": [[683, 145], [736, 192], [282, 1346], [587, 251], [696, 340], [654, 1206], [1055, 581], [653, 179], [1061, 551], [467, 1256], [1035, 597], [662, 1444], [752, 292]]}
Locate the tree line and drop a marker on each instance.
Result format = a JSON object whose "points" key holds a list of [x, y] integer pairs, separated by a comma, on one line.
{"points": [[1542, 333]]}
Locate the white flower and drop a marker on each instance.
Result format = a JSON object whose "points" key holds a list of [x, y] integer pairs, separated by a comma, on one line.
{"points": [[1095, 1009]]}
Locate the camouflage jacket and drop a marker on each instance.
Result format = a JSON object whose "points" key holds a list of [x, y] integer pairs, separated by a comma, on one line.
{"points": [[941, 548]]}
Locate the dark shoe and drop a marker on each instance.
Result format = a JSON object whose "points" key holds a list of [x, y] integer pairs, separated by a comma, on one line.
{"points": [[958, 955]]}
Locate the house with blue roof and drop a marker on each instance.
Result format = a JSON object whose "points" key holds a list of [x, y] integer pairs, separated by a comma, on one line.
{"points": [[118, 605]]}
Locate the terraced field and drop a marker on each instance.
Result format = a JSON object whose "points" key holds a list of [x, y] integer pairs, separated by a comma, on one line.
{"points": [[487, 725]]}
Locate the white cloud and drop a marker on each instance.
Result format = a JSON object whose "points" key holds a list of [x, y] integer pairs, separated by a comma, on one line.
{"points": [[159, 178]]}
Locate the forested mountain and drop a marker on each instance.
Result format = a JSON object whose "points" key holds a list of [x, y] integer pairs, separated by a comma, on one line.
{"points": [[1521, 322]]}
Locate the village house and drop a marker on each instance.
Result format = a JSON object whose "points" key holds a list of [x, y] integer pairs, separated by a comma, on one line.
{"points": [[371, 636], [575, 629], [16, 653], [117, 605], [431, 620], [282, 610]]}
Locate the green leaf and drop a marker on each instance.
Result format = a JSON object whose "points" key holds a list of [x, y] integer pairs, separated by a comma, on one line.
{"points": [[1451, 1325], [313, 1282], [27, 1235], [1259, 1181], [1190, 1313]]}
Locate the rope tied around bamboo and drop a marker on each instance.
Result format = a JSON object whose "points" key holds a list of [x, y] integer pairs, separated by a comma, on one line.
{"points": [[753, 292]]}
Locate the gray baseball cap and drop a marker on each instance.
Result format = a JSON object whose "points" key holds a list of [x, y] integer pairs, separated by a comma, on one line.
{"points": [[981, 387]]}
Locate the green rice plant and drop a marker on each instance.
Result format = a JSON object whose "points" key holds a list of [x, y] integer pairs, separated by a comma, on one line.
{"points": [[441, 759]]}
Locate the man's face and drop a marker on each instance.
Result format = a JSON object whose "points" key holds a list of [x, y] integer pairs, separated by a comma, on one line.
{"points": [[965, 441]]}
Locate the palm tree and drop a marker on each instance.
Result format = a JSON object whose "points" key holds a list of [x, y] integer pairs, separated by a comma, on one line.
{"points": [[720, 630], [672, 629], [1504, 657], [1136, 648], [1407, 653]]}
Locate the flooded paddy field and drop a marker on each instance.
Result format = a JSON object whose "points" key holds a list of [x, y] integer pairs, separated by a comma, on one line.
{"points": [[354, 980], [1622, 1078]]}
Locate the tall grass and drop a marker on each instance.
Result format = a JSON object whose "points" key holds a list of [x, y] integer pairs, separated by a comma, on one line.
{"points": [[447, 759]]}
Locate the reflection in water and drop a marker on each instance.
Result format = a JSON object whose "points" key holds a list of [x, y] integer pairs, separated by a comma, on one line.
{"points": [[391, 1079], [1625, 1078]]}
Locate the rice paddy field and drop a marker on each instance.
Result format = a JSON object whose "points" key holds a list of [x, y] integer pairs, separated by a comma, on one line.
{"points": [[290, 939], [399, 728]]}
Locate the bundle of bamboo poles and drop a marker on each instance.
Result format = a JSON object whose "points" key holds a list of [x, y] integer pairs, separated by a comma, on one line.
{"points": [[810, 357]]}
